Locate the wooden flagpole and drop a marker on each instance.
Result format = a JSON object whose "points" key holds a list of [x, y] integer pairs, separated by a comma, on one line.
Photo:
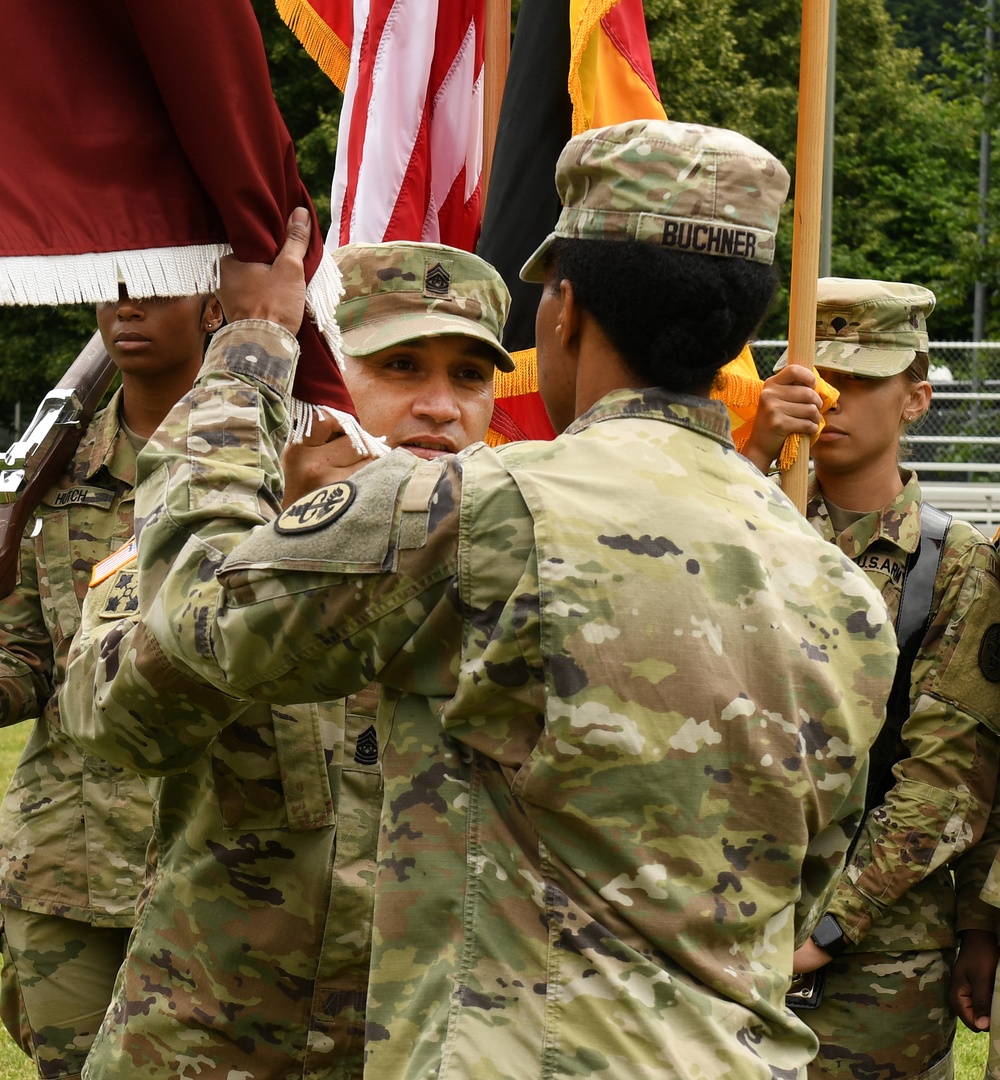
{"points": [[808, 214], [496, 60]]}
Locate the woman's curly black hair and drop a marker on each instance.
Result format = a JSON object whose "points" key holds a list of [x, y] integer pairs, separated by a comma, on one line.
{"points": [[674, 317]]}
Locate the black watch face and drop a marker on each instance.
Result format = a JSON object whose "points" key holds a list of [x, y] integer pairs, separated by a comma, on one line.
{"points": [[828, 932]]}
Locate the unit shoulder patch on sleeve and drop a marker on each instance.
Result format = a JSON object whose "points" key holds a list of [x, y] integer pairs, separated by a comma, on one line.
{"points": [[316, 510]]}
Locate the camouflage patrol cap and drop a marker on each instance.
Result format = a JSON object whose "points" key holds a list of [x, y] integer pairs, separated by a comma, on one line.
{"points": [[401, 290], [683, 186], [870, 328]]}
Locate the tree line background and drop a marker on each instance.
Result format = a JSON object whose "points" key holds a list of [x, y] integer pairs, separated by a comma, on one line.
{"points": [[909, 114]]}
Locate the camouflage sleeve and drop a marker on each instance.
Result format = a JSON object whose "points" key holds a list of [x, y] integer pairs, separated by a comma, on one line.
{"points": [[824, 857], [975, 910], [943, 791], [222, 618], [207, 476], [26, 651]]}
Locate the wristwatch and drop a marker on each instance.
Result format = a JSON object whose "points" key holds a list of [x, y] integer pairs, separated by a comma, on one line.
{"points": [[829, 936]]}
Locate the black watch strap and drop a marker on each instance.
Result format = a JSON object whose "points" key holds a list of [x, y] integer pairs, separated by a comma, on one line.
{"points": [[829, 936]]}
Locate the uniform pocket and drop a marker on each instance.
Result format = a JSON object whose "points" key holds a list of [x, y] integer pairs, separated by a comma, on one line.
{"points": [[270, 771]]}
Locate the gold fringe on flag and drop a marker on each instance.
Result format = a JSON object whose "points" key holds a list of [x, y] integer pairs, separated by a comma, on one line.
{"points": [[522, 380], [319, 41], [581, 33]]}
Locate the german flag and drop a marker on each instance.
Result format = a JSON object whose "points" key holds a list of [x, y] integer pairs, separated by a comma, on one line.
{"points": [[575, 64]]}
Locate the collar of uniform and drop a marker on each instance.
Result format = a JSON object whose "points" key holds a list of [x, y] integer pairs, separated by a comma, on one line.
{"points": [[654, 403], [106, 444], [897, 524]]}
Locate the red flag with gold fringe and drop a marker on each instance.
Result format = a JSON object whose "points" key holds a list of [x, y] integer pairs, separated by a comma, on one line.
{"points": [[145, 142]]}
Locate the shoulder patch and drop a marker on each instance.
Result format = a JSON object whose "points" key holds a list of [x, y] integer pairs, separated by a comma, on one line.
{"points": [[123, 596], [989, 653], [114, 562], [317, 509]]}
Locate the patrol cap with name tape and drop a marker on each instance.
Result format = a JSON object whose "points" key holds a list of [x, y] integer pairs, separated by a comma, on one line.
{"points": [[401, 290], [686, 187], [869, 328]]}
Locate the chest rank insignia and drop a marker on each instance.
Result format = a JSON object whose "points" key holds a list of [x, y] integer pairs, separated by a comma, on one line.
{"points": [[989, 653], [317, 509], [123, 599], [437, 281], [366, 748]]}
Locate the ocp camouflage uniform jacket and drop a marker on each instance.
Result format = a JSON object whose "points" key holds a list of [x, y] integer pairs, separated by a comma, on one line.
{"points": [[650, 683], [250, 955], [896, 894], [73, 829]]}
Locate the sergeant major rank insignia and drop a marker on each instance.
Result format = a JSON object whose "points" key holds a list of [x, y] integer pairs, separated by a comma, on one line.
{"points": [[366, 748], [437, 281], [317, 509]]}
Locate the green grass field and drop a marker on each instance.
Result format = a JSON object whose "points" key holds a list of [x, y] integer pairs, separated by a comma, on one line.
{"points": [[970, 1049]]}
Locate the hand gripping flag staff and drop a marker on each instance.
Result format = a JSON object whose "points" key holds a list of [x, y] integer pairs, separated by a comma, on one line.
{"points": [[604, 47], [141, 142]]}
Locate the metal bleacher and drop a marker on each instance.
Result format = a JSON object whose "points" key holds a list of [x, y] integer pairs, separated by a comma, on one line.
{"points": [[979, 504]]}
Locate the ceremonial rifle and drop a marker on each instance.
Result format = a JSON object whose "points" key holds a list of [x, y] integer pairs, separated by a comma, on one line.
{"points": [[36, 461]]}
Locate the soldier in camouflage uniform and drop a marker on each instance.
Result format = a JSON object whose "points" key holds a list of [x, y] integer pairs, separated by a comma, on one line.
{"points": [[651, 684], [974, 974], [976, 995], [73, 829], [889, 938], [251, 955]]}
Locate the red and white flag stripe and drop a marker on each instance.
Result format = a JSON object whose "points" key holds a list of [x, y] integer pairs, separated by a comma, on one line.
{"points": [[410, 146]]}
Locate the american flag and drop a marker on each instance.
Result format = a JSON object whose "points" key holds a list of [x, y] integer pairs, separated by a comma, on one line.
{"points": [[410, 146]]}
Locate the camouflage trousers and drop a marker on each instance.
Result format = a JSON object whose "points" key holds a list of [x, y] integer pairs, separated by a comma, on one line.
{"points": [[885, 1016], [57, 979]]}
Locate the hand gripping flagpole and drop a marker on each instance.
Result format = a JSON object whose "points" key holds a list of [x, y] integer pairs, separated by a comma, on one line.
{"points": [[808, 214]]}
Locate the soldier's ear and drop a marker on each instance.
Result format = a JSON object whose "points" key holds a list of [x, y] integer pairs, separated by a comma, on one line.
{"points": [[917, 402], [568, 318], [211, 316]]}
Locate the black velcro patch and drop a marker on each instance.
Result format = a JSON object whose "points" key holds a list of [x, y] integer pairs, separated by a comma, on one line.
{"points": [[989, 653]]}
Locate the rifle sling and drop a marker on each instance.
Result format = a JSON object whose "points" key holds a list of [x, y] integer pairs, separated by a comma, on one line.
{"points": [[912, 623]]}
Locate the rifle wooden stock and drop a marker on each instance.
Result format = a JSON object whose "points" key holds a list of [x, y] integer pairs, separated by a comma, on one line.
{"points": [[36, 461]]}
